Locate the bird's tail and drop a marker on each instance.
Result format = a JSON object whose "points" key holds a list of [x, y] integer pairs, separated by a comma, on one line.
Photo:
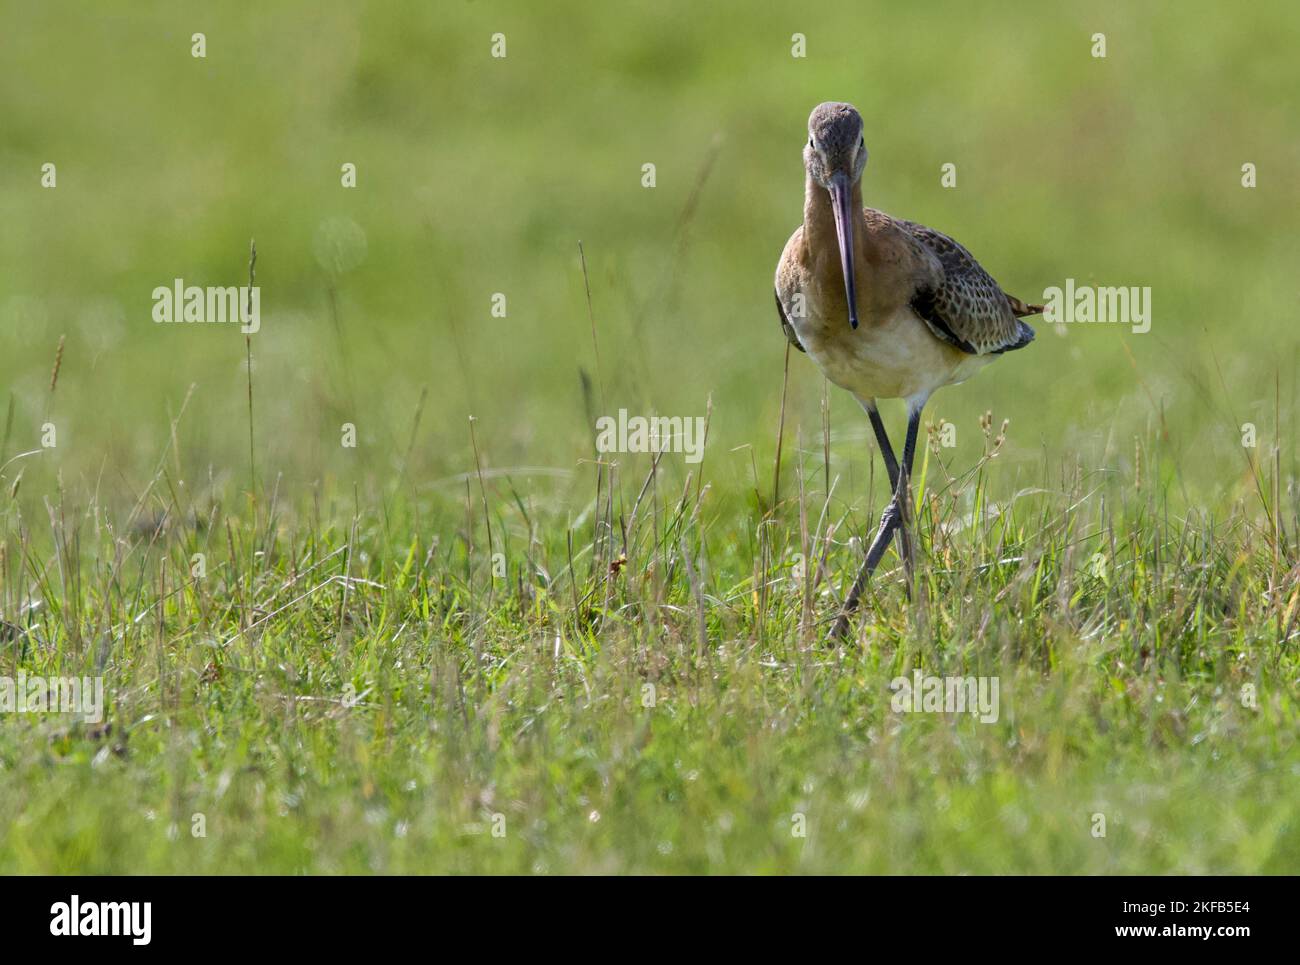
{"points": [[1021, 309]]}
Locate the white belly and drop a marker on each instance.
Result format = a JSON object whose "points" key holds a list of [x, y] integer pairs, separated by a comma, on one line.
{"points": [[894, 358]]}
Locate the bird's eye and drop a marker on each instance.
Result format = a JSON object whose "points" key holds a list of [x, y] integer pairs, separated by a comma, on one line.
{"points": [[810, 143]]}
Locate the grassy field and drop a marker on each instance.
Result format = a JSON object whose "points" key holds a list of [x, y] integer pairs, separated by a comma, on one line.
{"points": [[484, 646]]}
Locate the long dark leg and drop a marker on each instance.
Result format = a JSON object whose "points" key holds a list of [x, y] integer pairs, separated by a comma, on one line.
{"points": [[886, 450], [892, 519], [904, 495]]}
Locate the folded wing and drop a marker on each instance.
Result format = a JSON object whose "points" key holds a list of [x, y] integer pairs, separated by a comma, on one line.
{"points": [[962, 304]]}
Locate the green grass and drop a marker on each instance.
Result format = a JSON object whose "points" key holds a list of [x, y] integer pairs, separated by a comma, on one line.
{"points": [[355, 685]]}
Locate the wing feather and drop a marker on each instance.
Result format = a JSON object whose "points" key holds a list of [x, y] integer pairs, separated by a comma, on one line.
{"points": [[962, 304], [786, 326]]}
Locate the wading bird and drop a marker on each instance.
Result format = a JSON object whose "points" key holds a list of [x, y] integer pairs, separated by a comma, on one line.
{"points": [[885, 307]]}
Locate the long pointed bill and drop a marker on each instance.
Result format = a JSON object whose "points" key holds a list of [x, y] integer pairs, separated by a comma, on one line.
{"points": [[842, 202]]}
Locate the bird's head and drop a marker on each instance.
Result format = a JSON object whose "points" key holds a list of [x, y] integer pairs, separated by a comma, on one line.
{"points": [[835, 156], [836, 148]]}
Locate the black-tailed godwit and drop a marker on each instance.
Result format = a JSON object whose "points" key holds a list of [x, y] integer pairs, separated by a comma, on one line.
{"points": [[886, 308]]}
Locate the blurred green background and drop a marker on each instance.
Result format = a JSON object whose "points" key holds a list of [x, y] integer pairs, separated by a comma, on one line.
{"points": [[479, 175]]}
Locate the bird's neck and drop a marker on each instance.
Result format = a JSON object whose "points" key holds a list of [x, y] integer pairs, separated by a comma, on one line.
{"points": [[819, 219]]}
